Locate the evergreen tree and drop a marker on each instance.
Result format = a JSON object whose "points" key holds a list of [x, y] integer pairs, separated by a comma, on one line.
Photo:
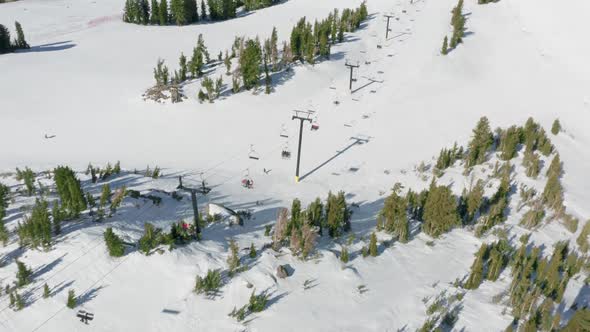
{"points": [[191, 11], [20, 37], [28, 177], [105, 196], [58, 217], [70, 191], [477, 269], [250, 60], [475, 200], [556, 127], [445, 46], [23, 274], [4, 198], [267, 79], [274, 50], [509, 142], [532, 164], [440, 211], [337, 214], [227, 63], [252, 253], [18, 301], [163, 16], [553, 192], [36, 229], [178, 12], [161, 73], [5, 46], [155, 14], [72, 301], [315, 214], [46, 292], [480, 143], [373, 245], [344, 255], [233, 261], [203, 10], [394, 215], [114, 243]]}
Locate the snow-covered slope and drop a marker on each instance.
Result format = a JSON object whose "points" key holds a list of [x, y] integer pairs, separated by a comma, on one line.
{"points": [[83, 80]]}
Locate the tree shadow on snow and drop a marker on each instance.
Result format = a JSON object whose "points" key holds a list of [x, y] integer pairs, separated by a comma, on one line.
{"points": [[57, 46]]}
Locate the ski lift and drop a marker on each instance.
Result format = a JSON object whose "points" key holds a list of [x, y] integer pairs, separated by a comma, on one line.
{"points": [[314, 124], [253, 154], [247, 181], [284, 131], [286, 153]]}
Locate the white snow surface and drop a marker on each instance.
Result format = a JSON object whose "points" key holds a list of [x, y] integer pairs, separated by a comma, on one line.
{"points": [[83, 80]]}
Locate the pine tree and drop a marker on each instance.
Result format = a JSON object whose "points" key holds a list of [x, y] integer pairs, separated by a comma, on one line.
{"points": [[105, 196], [57, 216], [509, 142], [252, 253], [20, 43], [250, 60], [344, 255], [23, 274], [70, 191], [445, 46], [18, 301], [28, 177], [556, 127], [477, 268], [161, 73], [480, 143], [233, 261], [274, 50], [394, 215], [440, 211], [178, 12], [267, 78], [36, 229], [553, 192], [203, 10], [163, 16], [46, 292], [155, 14], [475, 200], [532, 164], [4, 198], [337, 214], [72, 301], [114, 243], [373, 245], [227, 63], [5, 46]]}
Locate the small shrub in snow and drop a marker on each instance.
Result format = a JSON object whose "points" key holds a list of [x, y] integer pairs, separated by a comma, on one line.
{"points": [[72, 301], [373, 245], [344, 255], [556, 127], [46, 292], [208, 284], [252, 253]]}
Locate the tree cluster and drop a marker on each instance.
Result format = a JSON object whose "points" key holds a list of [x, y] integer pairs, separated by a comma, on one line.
{"points": [[440, 211], [447, 158], [35, 230], [490, 261], [535, 278], [7, 45], [28, 177], [394, 218]]}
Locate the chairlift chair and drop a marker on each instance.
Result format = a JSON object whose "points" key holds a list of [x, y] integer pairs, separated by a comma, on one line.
{"points": [[314, 124], [286, 153], [247, 181], [253, 154], [284, 132]]}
